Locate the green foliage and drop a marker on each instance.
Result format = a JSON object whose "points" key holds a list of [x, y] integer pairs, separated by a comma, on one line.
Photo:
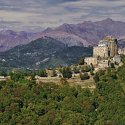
{"points": [[43, 73], [3, 73], [92, 73], [92, 67], [51, 104], [66, 72], [86, 68], [112, 65], [81, 61], [16, 76], [96, 77], [41, 49], [76, 70], [84, 76]]}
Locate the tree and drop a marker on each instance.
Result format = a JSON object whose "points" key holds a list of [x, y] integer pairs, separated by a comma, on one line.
{"points": [[16, 76], [96, 77], [86, 68], [100, 122], [92, 67], [3, 73], [84, 76], [112, 65], [92, 73], [66, 72], [76, 70], [43, 73], [81, 61], [51, 104]]}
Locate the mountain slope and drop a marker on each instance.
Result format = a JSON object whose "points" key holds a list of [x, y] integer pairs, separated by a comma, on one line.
{"points": [[66, 38], [43, 53], [10, 39], [92, 32], [83, 34], [86, 33]]}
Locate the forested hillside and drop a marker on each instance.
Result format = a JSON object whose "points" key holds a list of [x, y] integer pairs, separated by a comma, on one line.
{"points": [[43, 53], [24, 102]]}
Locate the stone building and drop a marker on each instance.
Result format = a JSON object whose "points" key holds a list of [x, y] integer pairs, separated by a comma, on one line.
{"points": [[106, 48], [91, 60], [103, 64], [100, 51]]}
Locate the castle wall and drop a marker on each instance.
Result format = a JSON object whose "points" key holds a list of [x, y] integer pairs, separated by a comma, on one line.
{"points": [[92, 60], [103, 64], [101, 51]]}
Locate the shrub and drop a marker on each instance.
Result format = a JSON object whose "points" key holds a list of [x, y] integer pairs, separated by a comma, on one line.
{"points": [[91, 73], [86, 68], [63, 81], [84, 76], [66, 72], [43, 73]]}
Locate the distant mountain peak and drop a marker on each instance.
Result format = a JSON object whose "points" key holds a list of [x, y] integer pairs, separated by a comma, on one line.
{"points": [[109, 20], [65, 24], [48, 30], [87, 22]]}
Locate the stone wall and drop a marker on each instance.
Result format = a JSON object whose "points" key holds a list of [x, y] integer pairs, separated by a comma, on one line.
{"points": [[92, 60], [103, 64], [101, 51]]}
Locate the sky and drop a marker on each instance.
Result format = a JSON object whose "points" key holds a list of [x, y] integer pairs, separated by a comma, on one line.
{"points": [[36, 15]]}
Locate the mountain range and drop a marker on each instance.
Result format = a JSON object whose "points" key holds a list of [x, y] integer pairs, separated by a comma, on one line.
{"points": [[85, 34], [43, 53], [60, 46]]}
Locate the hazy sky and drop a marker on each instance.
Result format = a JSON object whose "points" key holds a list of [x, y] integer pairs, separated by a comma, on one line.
{"points": [[40, 14]]}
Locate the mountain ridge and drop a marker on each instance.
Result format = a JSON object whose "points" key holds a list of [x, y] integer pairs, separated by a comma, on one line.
{"points": [[87, 33], [43, 53]]}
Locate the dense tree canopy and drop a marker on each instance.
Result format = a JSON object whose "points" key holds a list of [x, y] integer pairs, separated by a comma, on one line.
{"points": [[22, 102]]}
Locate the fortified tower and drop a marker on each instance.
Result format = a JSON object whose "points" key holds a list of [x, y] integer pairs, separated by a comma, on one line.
{"points": [[106, 48]]}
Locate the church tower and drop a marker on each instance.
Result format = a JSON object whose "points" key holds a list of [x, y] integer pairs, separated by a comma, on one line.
{"points": [[106, 48]]}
